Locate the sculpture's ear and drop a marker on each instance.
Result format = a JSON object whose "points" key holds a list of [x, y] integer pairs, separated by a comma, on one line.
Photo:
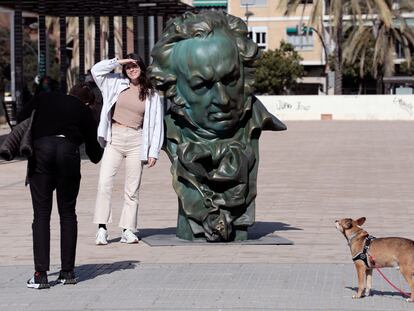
{"points": [[360, 221]]}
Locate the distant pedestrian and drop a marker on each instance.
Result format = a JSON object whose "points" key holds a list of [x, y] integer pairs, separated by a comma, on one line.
{"points": [[46, 85], [61, 124], [130, 128]]}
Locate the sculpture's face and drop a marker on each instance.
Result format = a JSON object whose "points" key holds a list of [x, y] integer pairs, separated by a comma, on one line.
{"points": [[210, 79]]}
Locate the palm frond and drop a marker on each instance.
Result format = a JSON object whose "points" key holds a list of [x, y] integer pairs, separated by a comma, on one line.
{"points": [[384, 12], [356, 10], [316, 13], [356, 43]]}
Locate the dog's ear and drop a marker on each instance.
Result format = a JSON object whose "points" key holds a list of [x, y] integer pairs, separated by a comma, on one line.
{"points": [[360, 221]]}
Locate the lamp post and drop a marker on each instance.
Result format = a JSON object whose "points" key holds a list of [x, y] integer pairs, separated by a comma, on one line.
{"points": [[247, 14], [305, 29], [325, 49]]}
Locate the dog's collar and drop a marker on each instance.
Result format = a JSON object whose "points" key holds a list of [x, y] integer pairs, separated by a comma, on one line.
{"points": [[352, 237], [362, 255]]}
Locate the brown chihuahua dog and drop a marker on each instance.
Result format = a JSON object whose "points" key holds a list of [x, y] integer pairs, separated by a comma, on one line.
{"points": [[369, 252]]}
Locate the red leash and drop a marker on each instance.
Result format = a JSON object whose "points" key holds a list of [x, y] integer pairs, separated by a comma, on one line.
{"points": [[388, 281]]}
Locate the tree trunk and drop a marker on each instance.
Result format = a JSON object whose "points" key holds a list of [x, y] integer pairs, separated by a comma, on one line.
{"points": [[360, 86], [380, 88], [338, 56]]}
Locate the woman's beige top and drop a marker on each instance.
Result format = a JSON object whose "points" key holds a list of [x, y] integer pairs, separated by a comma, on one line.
{"points": [[129, 109]]}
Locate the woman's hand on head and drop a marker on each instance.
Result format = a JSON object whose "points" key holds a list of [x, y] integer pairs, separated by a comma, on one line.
{"points": [[151, 162], [125, 61]]}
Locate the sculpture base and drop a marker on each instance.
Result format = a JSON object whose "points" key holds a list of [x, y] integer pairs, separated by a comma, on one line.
{"points": [[259, 234], [184, 231], [167, 237]]}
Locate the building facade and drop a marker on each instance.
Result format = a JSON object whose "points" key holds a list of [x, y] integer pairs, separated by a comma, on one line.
{"points": [[268, 26]]}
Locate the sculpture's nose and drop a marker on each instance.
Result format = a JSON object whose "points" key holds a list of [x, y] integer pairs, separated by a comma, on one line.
{"points": [[220, 97]]}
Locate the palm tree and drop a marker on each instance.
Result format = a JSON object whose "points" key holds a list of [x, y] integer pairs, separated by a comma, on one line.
{"points": [[386, 25], [336, 11]]}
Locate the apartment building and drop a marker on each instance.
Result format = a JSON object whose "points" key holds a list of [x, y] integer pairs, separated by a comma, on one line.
{"points": [[268, 27]]}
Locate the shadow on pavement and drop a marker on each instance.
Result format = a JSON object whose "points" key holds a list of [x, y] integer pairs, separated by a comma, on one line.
{"points": [[91, 271], [378, 292], [263, 228], [143, 233]]}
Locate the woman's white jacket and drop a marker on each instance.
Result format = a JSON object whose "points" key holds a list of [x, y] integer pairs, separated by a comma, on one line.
{"points": [[111, 85]]}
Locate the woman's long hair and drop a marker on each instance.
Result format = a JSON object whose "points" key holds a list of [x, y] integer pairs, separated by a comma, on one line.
{"points": [[144, 82]]}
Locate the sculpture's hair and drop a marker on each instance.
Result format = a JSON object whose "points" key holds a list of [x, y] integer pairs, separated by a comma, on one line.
{"points": [[201, 25]]}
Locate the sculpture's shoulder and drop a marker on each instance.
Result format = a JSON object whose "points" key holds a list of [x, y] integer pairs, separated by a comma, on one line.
{"points": [[263, 119]]}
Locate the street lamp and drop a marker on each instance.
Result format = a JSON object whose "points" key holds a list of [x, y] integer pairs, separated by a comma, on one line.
{"points": [[248, 13], [325, 49]]}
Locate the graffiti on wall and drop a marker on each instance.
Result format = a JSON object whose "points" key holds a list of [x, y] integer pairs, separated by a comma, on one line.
{"points": [[404, 105], [284, 105]]}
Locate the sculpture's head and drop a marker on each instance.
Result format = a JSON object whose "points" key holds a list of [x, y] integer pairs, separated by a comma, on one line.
{"points": [[204, 64]]}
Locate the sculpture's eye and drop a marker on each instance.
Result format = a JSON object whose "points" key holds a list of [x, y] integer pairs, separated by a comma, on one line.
{"points": [[231, 80], [201, 86]]}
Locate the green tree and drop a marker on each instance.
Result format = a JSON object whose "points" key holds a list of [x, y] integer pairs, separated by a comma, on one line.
{"points": [[278, 70], [29, 60]]}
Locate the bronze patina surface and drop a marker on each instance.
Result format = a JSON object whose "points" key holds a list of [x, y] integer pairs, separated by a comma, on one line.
{"points": [[204, 63]]}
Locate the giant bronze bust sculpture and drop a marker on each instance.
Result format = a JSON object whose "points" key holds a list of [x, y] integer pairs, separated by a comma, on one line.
{"points": [[204, 64]]}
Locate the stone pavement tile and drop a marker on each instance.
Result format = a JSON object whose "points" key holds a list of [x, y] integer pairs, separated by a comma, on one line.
{"points": [[135, 286]]}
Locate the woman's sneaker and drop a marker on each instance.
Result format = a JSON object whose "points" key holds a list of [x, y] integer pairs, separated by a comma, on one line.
{"points": [[128, 237], [67, 277], [38, 281], [101, 237]]}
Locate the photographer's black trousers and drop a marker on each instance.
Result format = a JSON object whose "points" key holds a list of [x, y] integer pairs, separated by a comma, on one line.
{"points": [[55, 164]]}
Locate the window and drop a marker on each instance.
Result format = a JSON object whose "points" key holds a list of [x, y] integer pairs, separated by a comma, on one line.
{"points": [[299, 38], [259, 35], [399, 50], [250, 3]]}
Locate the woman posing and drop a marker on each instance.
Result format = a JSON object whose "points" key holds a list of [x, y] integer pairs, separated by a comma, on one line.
{"points": [[130, 127]]}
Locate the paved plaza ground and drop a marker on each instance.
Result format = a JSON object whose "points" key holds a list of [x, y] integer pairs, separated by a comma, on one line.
{"points": [[309, 176]]}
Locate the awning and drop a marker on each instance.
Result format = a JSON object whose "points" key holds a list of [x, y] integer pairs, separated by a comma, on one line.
{"points": [[216, 3], [292, 30]]}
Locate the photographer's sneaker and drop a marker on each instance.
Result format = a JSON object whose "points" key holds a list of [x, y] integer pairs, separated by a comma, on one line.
{"points": [[128, 237], [101, 237], [67, 277], [38, 281]]}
